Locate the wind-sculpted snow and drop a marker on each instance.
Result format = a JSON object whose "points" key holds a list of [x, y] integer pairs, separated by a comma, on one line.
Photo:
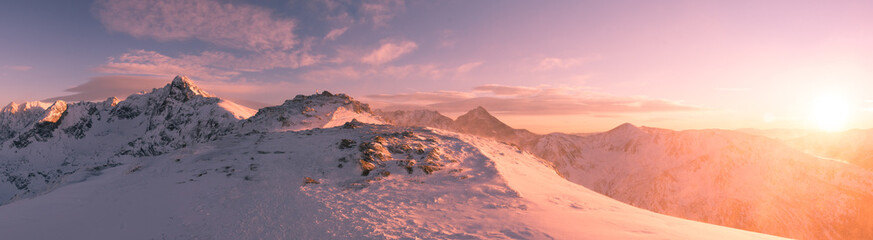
{"points": [[356, 181]]}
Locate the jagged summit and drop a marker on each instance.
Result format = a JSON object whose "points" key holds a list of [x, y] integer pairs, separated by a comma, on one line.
{"points": [[182, 88], [10, 108], [55, 112], [111, 102]]}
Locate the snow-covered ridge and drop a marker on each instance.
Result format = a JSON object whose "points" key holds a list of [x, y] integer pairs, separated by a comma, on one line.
{"points": [[323, 110]]}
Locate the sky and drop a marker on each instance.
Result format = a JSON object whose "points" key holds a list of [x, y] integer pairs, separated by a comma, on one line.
{"points": [[547, 66]]}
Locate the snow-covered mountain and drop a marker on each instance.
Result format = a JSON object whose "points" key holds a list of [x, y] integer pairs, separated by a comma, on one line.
{"points": [[179, 163], [715, 176], [358, 181], [66, 138]]}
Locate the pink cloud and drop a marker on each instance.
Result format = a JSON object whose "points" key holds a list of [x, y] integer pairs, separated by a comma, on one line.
{"points": [[503, 90], [551, 63], [335, 33], [422, 98], [388, 51], [21, 68], [468, 67], [209, 65], [142, 62], [238, 26]]}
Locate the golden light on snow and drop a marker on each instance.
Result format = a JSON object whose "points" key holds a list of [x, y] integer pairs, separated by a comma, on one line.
{"points": [[830, 113]]}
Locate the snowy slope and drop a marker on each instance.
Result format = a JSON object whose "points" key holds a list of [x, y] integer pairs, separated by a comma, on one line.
{"points": [[419, 183], [721, 177]]}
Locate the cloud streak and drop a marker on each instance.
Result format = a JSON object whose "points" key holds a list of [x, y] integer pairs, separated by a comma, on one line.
{"points": [[535, 101], [209, 65], [551, 63], [100, 88], [335, 33], [239, 26], [20, 68]]}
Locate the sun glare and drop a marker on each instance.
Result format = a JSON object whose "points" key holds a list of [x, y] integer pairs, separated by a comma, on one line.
{"points": [[830, 113]]}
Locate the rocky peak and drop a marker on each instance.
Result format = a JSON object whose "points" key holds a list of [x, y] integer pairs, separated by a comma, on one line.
{"points": [[479, 116], [11, 108], [625, 128], [54, 112], [183, 89], [111, 102]]}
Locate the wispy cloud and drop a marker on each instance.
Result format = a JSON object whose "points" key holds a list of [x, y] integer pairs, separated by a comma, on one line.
{"points": [[21, 68], [381, 11], [210, 65], [99, 88], [344, 12], [142, 62], [504, 90], [535, 101], [468, 67], [552, 63], [423, 98], [239, 26], [325, 75], [335, 33], [388, 51]]}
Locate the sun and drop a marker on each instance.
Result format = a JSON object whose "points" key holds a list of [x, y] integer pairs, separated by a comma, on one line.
{"points": [[830, 113]]}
